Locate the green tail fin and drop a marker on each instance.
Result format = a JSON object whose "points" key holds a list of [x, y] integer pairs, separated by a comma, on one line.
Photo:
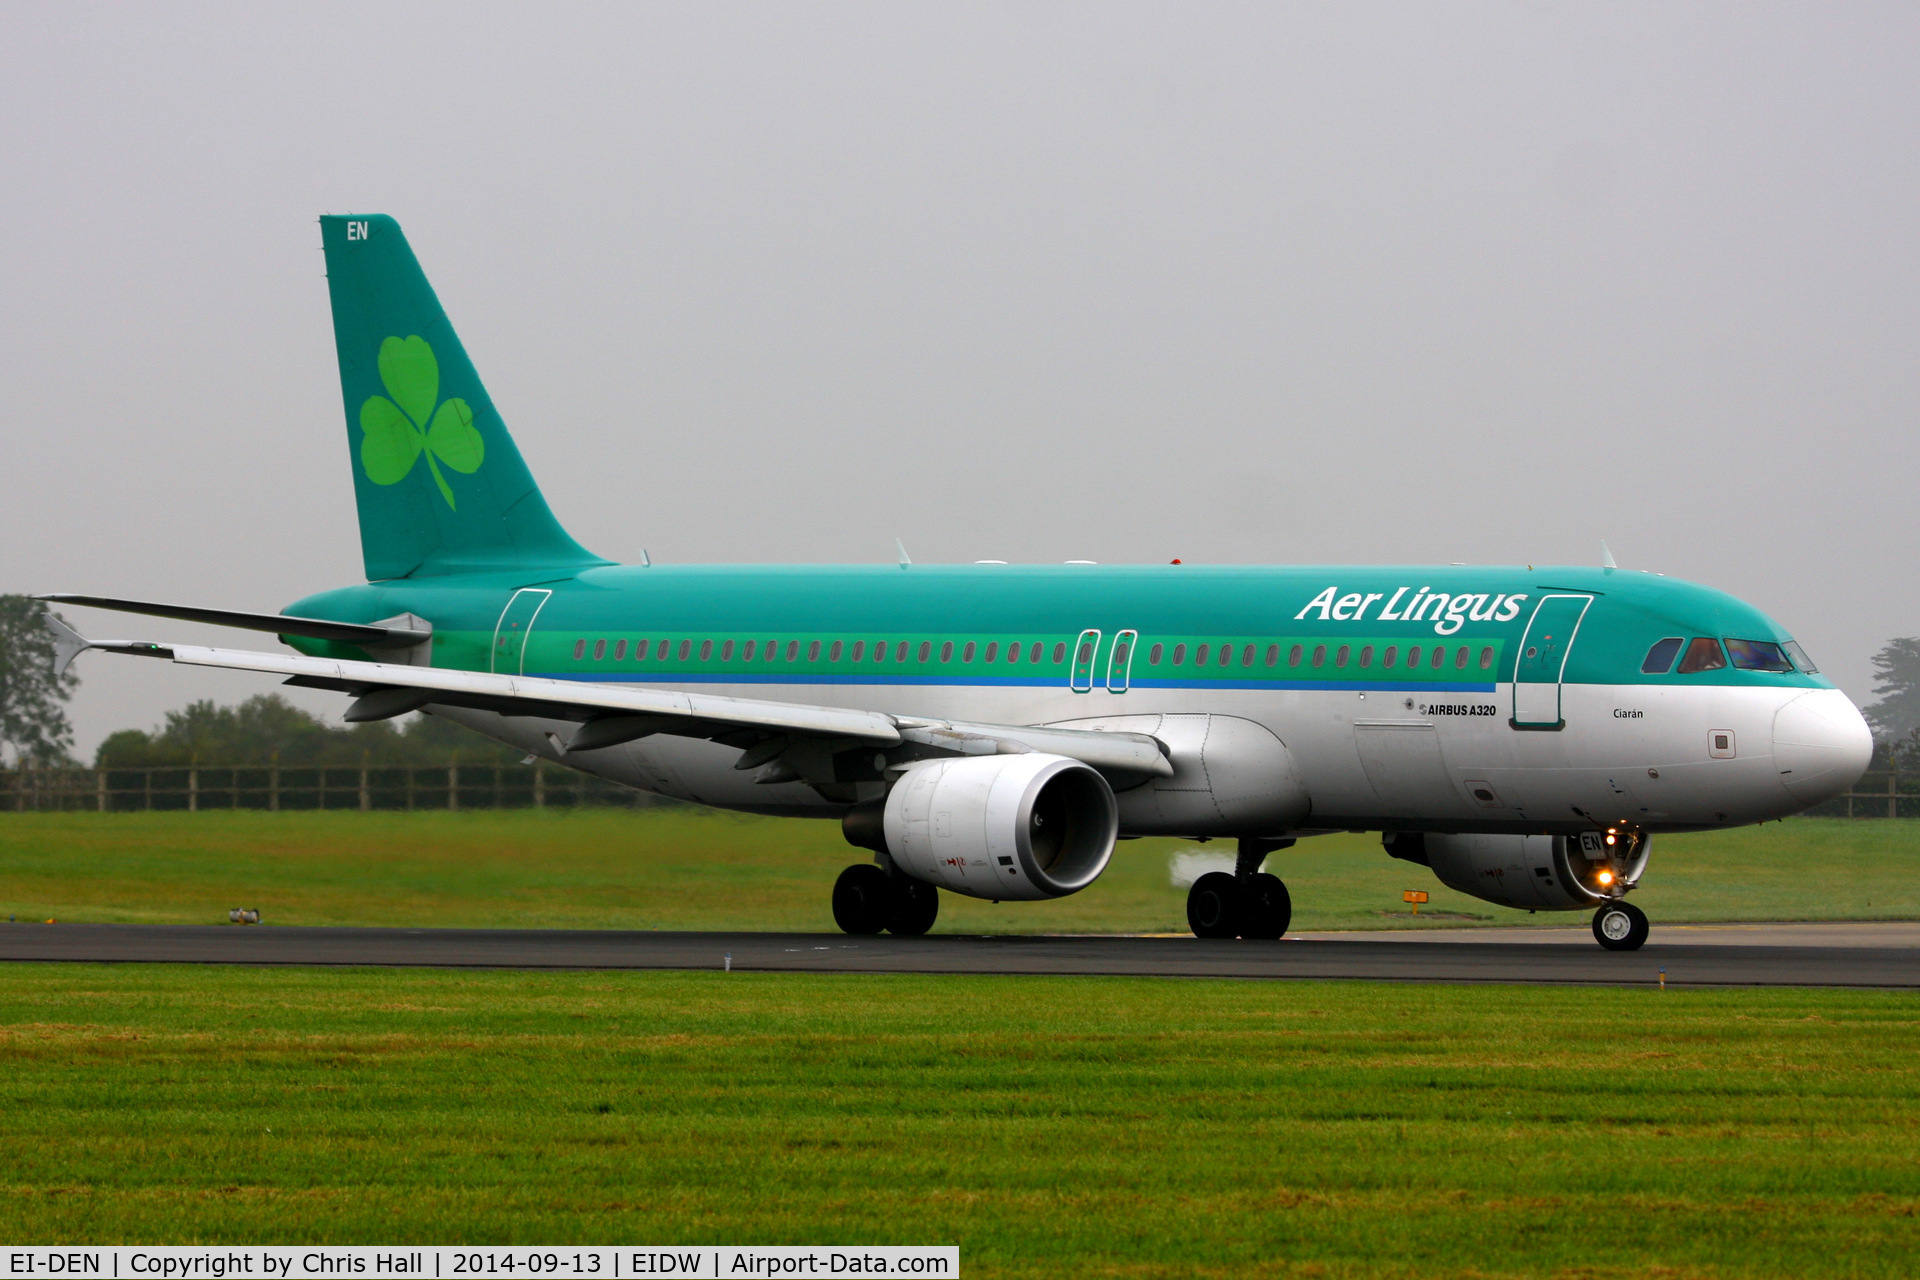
{"points": [[440, 485]]}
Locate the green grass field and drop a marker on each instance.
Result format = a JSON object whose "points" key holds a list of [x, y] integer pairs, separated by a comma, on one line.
{"points": [[1136, 1127], [675, 868]]}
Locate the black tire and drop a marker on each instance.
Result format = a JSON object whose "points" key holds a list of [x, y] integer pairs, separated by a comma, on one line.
{"points": [[1620, 926], [1266, 907], [916, 905], [862, 899], [1213, 906]]}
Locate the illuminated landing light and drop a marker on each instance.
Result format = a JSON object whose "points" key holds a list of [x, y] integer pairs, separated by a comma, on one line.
{"points": [[1606, 877]]}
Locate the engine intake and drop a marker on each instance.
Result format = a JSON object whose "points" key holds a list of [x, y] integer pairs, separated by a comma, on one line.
{"points": [[1021, 827], [1534, 873]]}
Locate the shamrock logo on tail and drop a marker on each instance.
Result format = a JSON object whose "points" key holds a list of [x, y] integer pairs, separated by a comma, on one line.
{"points": [[397, 431]]}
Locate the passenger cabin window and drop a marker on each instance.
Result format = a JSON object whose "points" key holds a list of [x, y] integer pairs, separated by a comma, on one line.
{"points": [[833, 654], [726, 652], [1033, 654], [1757, 655], [1460, 658], [1702, 655], [1340, 657], [900, 652], [1392, 653], [1153, 655], [1293, 658], [1800, 658], [639, 650], [946, 652], [746, 654], [599, 650], [1059, 652], [706, 650], [1200, 655], [1659, 659], [993, 651], [966, 654], [1319, 655], [1179, 654], [686, 647], [1013, 651], [1273, 655], [926, 648], [793, 650], [579, 649], [1246, 656], [1486, 657], [1366, 655], [663, 647], [1413, 656], [619, 650]]}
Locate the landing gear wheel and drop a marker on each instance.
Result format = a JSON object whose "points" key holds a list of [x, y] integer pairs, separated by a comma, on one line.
{"points": [[1620, 926], [916, 905], [1213, 906], [862, 899], [1266, 907]]}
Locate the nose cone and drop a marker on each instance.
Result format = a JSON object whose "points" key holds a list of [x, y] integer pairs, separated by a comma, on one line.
{"points": [[1821, 745]]}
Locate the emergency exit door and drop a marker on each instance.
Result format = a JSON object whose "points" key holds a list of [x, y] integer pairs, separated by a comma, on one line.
{"points": [[1539, 670], [1084, 649]]}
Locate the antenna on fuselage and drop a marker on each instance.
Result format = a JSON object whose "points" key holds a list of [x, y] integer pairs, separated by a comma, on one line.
{"points": [[901, 547], [645, 559], [1606, 556]]}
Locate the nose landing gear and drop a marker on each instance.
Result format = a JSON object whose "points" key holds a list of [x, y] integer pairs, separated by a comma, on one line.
{"points": [[1620, 926]]}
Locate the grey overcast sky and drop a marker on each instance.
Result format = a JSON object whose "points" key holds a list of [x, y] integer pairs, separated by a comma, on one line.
{"points": [[1122, 282]]}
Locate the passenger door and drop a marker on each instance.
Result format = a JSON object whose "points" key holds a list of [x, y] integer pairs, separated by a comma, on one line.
{"points": [[1542, 662], [515, 625]]}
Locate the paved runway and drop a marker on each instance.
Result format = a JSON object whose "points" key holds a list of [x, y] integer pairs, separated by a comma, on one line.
{"points": [[1767, 955]]}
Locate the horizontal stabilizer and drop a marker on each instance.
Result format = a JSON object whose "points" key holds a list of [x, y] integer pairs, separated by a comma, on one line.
{"points": [[375, 635]]}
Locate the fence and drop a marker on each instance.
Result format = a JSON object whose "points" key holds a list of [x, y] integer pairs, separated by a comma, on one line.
{"points": [[1882, 793], [193, 788]]}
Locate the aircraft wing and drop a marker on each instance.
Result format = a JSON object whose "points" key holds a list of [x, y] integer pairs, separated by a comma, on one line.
{"points": [[786, 741]]}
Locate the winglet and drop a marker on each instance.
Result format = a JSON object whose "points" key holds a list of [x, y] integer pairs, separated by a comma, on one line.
{"points": [[902, 548], [68, 644], [1606, 556]]}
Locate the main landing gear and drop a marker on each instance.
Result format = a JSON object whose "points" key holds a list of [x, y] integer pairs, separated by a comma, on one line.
{"points": [[866, 900], [1250, 903], [1620, 926]]}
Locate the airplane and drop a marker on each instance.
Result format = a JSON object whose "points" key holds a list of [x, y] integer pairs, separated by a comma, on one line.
{"points": [[994, 730]]}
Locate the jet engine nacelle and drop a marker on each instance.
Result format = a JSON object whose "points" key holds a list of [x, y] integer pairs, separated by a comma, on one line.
{"points": [[1002, 827], [1534, 873]]}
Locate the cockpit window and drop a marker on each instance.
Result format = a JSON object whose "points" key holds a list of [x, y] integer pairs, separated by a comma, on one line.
{"points": [[1660, 657], [1758, 655], [1702, 655], [1800, 658]]}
